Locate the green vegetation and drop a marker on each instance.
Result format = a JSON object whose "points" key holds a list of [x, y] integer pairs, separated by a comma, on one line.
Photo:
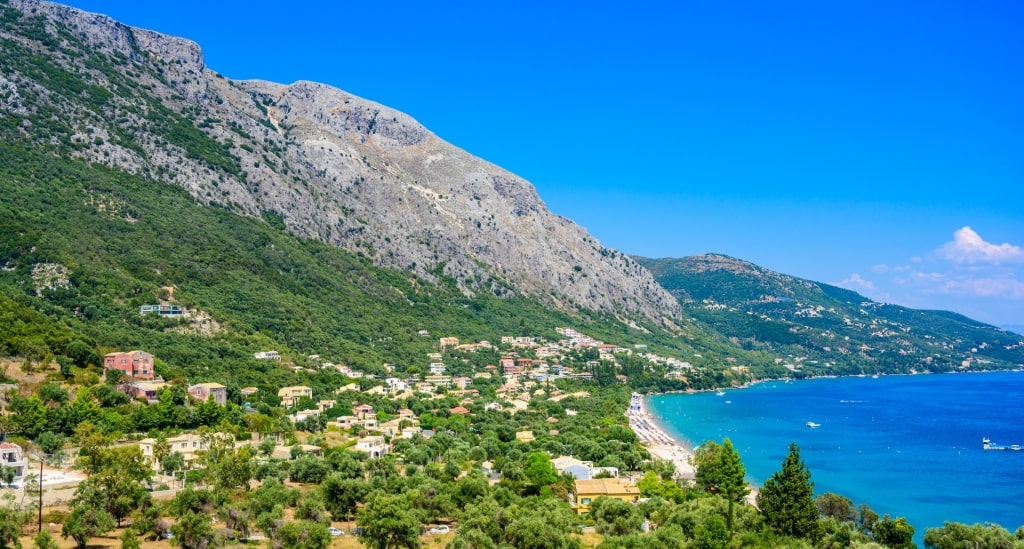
{"points": [[83, 247], [787, 499], [267, 289], [721, 471], [822, 329]]}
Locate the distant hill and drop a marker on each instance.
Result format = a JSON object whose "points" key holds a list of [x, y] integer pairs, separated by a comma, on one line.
{"points": [[819, 327], [1015, 328]]}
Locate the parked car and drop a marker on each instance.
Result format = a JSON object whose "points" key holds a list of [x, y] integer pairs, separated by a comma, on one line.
{"points": [[335, 531], [437, 530]]}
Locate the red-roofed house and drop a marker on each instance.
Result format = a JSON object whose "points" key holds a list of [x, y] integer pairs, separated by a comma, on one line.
{"points": [[363, 411]]}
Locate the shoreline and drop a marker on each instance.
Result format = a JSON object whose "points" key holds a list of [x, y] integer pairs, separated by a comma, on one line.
{"points": [[667, 447], [658, 443]]}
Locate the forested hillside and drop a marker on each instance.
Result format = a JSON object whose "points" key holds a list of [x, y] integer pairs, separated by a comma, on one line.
{"points": [[821, 328], [83, 246]]}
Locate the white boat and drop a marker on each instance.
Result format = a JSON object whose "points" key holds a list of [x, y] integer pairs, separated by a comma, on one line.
{"points": [[812, 424], [720, 393]]}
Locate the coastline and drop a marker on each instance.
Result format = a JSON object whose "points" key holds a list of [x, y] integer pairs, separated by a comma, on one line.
{"points": [[663, 446], [649, 410], [657, 441]]}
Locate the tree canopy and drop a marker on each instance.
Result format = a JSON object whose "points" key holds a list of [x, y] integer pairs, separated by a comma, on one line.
{"points": [[787, 499]]}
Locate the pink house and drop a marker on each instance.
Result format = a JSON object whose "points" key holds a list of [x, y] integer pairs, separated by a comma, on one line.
{"points": [[136, 364], [203, 391], [363, 411]]}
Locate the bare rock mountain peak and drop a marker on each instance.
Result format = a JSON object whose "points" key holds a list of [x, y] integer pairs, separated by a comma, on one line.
{"points": [[323, 163]]}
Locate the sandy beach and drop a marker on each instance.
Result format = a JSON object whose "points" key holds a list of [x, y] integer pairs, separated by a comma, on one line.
{"points": [[658, 443], [661, 445]]}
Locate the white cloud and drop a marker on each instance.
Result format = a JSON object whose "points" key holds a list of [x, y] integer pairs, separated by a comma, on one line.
{"points": [[968, 275], [1007, 288], [855, 281], [927, 277], [968, 247]]}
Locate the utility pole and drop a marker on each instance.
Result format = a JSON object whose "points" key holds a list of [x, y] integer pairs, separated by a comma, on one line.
{"points": [[41, 459]]}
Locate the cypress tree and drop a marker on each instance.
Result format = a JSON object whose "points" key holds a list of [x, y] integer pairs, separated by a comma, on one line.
{"points": [[787, 499], [732, 479]]}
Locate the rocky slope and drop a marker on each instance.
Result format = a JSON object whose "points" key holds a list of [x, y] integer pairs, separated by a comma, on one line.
{"points": [[311, 158]]}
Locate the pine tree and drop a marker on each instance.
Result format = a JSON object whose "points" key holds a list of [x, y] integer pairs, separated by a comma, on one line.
{"points": [[732, 479], [720, 470], [787, 499]]}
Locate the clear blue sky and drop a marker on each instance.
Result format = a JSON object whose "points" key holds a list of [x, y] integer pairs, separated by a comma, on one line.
{"points": [[844, 142]]}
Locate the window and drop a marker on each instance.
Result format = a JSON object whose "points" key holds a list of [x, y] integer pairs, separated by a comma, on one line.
{"points": [[584, 501]]}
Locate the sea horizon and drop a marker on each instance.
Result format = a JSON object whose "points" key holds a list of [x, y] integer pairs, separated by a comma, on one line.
{"points": [[906, 445]]}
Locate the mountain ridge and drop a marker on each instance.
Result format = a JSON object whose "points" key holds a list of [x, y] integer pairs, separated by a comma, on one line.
{"points": [[760, 309], [325, 163], [331, 167]]}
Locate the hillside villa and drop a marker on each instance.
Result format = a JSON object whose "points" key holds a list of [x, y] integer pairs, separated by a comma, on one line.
{"points": [[133, 364], [12, 457], [586, 491], [203, 391], [374, 446], [291, 395], [190, 445]]}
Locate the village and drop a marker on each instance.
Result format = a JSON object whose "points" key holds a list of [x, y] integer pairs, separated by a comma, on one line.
{"points": [[363, 415]]}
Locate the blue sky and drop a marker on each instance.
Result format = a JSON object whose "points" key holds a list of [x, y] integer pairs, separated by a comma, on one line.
{"points": [[876, 145]]}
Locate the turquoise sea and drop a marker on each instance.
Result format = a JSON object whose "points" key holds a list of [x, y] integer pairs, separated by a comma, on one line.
{"points": [[908, 446]]}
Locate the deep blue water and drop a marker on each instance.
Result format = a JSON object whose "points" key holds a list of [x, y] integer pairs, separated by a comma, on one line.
{"points": [[908, 446]]}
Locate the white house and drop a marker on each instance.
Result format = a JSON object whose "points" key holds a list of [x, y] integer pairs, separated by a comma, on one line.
{"points": [[12, 456], [303, 415], [438, 380], [190, 445], [580, 470], [396, 385], [374, 447], [410, 432]]}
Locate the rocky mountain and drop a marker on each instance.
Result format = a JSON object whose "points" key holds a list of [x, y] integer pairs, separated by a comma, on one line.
{"points": [[825, 328], [320, 162]]}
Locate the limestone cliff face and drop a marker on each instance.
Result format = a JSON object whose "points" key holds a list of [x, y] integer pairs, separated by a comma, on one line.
{"points": [[330, 165]]}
